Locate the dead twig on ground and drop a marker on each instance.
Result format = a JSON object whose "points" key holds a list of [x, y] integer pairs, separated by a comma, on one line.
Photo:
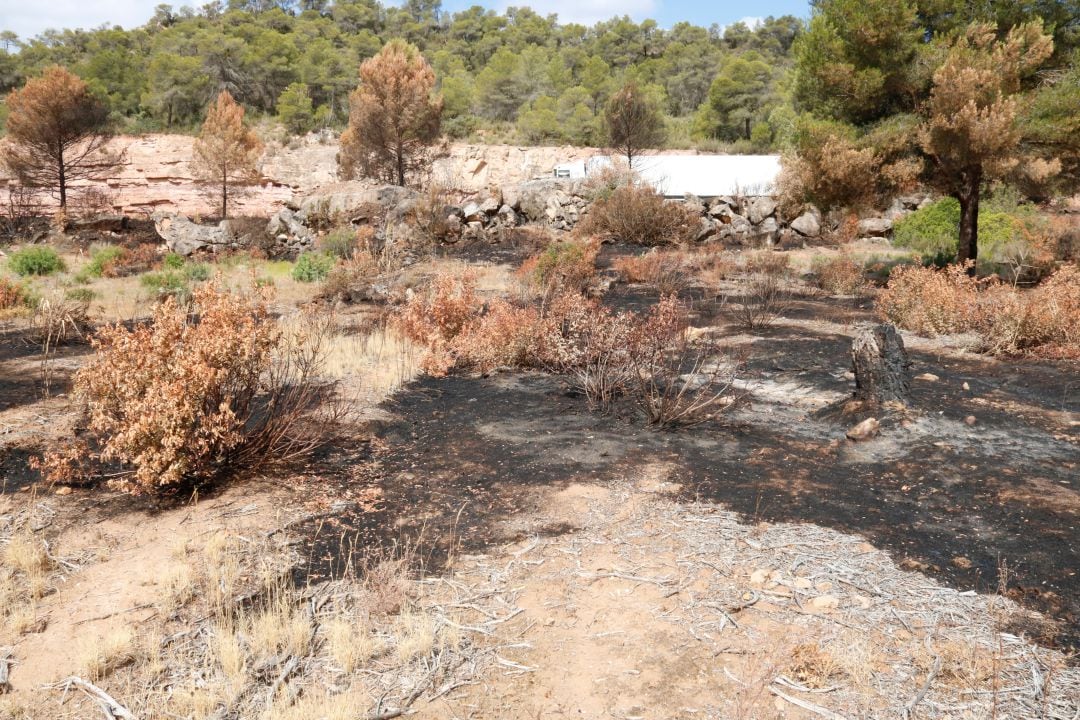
{"points": [[112, 709], [806, 705]]}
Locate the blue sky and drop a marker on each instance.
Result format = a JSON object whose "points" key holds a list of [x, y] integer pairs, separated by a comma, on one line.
{"points": [[28, 18]]}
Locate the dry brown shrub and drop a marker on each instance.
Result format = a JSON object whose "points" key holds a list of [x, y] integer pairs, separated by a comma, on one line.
{"points": [[814, 666], [12, 294], [590, 344], [505, 336], [568, 265], [429, 216], [23, 206], [679, 379], [131, 261], [373, 259], [930, 301], [1044, 320], [764, 298], [92, 201], [717, 267], [604, 354], [669, 271], [840, 275], [767, 262], [58, 320], [186, 397], [436, 315], [642, 216], [601, 184]]}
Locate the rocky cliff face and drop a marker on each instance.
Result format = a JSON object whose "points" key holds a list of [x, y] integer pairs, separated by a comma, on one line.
{"points": [[156, 173]]}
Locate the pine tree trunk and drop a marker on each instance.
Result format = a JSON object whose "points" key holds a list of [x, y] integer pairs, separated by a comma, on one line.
{"points": [[62, 176], [880, 363], [968, 246], [224, 196]]}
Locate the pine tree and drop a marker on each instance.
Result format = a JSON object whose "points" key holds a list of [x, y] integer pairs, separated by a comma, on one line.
{"points": [[633, 122], [57, 131], [970, 134], [394, 115], [226, 152]]}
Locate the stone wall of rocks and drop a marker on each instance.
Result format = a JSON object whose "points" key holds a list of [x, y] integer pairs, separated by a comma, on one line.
{"points": [[556, 203]]}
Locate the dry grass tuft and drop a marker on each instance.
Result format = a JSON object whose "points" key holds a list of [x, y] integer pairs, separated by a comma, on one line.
{"points": [[228, 653], [178, 589], [416, 636], [323, 705], [351, 643], [102, 655], [223, 570], [280, 628]]}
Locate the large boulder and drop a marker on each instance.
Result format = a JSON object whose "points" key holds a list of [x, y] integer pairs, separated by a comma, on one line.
{"points": [[808, 224], [343, 200], [184, 237], [708, 229], [760, 208], [545, 200], [767, 232], [875, 227], [286, 226]]}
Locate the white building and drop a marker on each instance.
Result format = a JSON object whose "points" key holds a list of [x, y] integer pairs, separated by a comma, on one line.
{"points": [[702, 175]]}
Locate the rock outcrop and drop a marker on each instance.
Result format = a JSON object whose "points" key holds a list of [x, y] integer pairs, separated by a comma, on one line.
{"points": [[184, 237]]}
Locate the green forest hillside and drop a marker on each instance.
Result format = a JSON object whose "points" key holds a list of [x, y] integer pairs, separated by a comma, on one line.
{"points": [[515, 76]]}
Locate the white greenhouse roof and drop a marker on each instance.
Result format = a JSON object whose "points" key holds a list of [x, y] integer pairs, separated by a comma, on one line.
{"points": [[701, 175]]}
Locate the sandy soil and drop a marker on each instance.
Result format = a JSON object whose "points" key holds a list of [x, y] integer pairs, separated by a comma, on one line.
{"points": [[757, 566]]}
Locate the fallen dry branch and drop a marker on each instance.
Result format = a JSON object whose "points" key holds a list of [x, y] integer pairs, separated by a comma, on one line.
{"points": [[806, 705], [112, 709]]}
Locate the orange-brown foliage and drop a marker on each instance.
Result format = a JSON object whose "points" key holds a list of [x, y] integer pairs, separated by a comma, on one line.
{"points": [[642, 216], [840, 275], [393, 115], [183, 398], [226, 152], [1044, 320], [12, 294], [56, 130]]}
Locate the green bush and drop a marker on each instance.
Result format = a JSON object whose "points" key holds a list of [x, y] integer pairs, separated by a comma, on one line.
{"points": [[931, 230], [934, 230], [84, 295], [339, 242], [100, 258], [173, 261], [35, 260], [197, 272], [312, 267], [166, 282]]}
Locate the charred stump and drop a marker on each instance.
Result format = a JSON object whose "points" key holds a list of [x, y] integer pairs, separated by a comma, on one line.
{"points": [[881, 366]]}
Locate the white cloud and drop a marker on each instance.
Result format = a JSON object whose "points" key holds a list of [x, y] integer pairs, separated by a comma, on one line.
{"points": [[30, 18], [588, 12], [750, 21]]}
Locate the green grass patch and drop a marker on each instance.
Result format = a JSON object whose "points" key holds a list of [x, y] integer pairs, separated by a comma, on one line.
{"points": [[35, 260], [312, 267]]}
